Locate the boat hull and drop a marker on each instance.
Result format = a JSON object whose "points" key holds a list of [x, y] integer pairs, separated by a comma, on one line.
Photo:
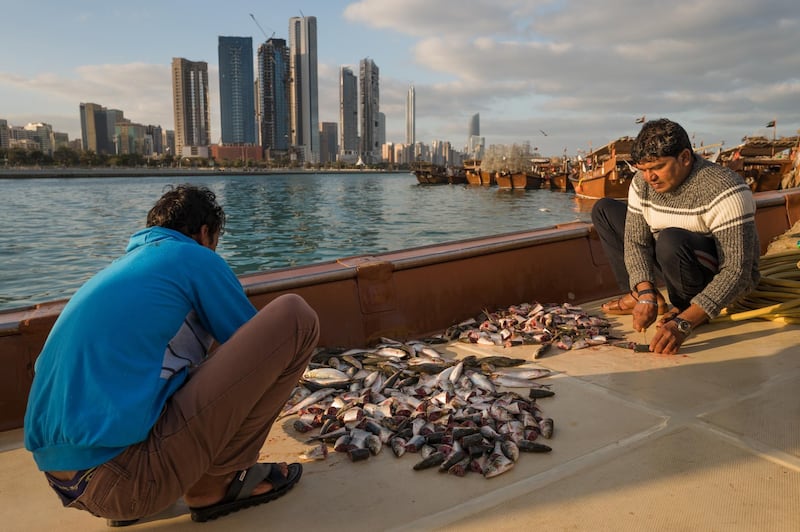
{"points": [[601, 187], [404, 294]]}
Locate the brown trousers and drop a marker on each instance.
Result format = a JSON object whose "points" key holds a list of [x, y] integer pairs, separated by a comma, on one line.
{"points": [[217, 422]]}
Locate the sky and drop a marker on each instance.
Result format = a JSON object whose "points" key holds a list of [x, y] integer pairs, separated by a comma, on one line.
{"points": [[565, 75]]}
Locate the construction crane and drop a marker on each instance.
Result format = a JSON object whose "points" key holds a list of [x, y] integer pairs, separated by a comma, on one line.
{"points": [[262, 29]]}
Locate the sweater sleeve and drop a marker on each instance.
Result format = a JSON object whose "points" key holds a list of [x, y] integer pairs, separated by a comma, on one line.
{"points": [[732, 223]]}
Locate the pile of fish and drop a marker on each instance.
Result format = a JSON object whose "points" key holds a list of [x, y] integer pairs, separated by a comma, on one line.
{"points": [[562, 325], [452, 414]]}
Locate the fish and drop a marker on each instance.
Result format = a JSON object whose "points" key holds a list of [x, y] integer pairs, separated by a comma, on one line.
{"points": [[456, 413], [358, 454], [546, 426], [508, 381], [433, 460], [398, 446], [510, 450], [481, 381], [520, 373], [497, 465], [307, 401], [454, 458], [528, 446]]}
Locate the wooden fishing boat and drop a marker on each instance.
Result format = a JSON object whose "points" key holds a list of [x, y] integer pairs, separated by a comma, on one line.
{"points": [[606, 172], [765, 164], [433, 174], [511, 180], [633, 430], [560, 170], [521, 180], [475, 175]]}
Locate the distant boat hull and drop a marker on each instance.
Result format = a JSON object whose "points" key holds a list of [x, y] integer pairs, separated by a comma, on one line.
{"points": [[606, 172], [764, 164], [519, 181], [431, 174], [603, 186]]}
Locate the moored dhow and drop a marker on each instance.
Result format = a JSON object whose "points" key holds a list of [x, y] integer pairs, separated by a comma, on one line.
{"points": [[606, 172], [765, 164]]}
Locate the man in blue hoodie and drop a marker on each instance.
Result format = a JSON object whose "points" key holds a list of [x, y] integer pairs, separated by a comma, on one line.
{"points": [[132, 408]]}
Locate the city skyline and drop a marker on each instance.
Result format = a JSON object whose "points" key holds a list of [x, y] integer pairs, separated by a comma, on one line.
{"points": [[574, 70]]}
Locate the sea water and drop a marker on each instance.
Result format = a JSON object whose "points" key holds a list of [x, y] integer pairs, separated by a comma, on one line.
{"points": [[56, 233]]}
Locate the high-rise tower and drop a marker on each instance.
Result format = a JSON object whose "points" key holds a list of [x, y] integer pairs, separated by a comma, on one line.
{"points": [[237, 104], [369, 105], [348, 112], [273, 96], [190, 102], [304, 92], [475, 125], [94, 128], [474, 140], [411, 114]]}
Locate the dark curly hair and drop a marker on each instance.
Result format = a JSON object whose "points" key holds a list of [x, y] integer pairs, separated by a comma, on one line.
{"points": [[186, 208], [659, 138]]}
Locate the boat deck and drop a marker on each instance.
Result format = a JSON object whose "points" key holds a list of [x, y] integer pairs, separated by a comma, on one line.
{"points": [[706, 440]]}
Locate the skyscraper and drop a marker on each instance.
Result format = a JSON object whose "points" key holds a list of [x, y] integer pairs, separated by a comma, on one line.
{"points": [[411, 114], [273, 96], [190, 103], [237, 104], [328, 145], [369, 106], [348, 112], [4, 136], [475, 125], [304, 93], [475, 142], [95, 133]]}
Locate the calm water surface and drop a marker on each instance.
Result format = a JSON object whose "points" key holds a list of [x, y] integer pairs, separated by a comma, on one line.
{"points": [[58, 232]]}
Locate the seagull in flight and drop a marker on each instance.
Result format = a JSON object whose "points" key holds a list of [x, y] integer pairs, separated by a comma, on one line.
{"points": [[543, 133]]}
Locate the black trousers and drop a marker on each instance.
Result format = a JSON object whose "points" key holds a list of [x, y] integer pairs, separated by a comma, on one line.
{"points": [[686, 261]]}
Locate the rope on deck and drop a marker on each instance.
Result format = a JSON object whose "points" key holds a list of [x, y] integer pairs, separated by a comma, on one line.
{"points": [[777, 295]]}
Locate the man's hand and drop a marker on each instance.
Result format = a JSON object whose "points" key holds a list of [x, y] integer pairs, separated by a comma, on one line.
{"points": [[667, 339], [644, 314]]}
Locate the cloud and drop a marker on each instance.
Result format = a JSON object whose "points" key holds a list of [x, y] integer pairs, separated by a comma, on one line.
{"points": [[719, 66]]}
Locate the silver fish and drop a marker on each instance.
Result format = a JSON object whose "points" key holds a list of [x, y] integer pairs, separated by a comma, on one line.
{"points": [[481, 381], [307, 401], [523, 373]]}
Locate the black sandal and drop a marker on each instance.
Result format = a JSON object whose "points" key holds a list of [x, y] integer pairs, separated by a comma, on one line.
{"points": [[238, 494]]}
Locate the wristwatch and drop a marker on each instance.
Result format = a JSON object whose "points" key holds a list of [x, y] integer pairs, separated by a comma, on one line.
{"points": [[683, 326]]}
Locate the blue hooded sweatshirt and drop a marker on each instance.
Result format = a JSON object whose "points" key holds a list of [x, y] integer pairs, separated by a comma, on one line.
{"points": [[123, 345]]}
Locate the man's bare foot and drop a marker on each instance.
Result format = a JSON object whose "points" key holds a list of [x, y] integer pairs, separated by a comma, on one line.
{"points": [[211, 490]]}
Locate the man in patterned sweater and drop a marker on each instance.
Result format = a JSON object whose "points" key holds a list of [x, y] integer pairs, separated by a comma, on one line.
{"points": [[688, 220]]}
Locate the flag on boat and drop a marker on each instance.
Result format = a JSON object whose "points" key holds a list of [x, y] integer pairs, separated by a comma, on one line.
{"points": [[640, 120], [771, 123]]}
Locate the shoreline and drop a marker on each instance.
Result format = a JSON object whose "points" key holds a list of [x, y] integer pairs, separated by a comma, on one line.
{"points": [[40, 173]]}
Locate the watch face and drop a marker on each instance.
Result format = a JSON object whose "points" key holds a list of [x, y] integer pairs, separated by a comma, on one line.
{"points": [[683, 325]]}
